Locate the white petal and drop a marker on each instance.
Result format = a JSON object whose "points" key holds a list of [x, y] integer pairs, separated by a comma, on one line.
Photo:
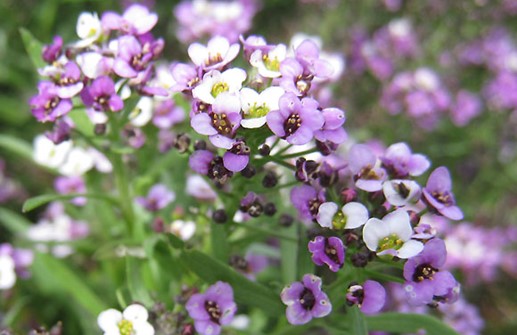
{"points": [[234, 78], [198, 53], [398, 223], [410, 249], [249, 97], [253, 123], [108, 319], [356, 214], [143, 328], [142, 113], [270, 96], [135, 312], [326, 213], [374, 230]]}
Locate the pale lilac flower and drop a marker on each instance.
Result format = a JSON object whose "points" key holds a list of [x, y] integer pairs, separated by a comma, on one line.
{"points": [[221, 124], [400, 162], [352, 215], [133, 320], [293, 79], [253, 43], [237, 157], [68, 80], [332, 129], [307, 54], [198, 188], [136, 20], [391, 235], [200, 161], [60, 132], [369, 297], [215, 55], [462, 317], [47, 106], [133, 58], [295, 120], [101, 95], [159, 197], [329, 251], [71, 185], [307, 200], [214, 83], [438, 194], [212, 309], [94, 64], [499, 90], [305, 300], [185, 75], [255, 106], [365, 168], [466, 106], [425, 282], [400, 192], [167, 114]]}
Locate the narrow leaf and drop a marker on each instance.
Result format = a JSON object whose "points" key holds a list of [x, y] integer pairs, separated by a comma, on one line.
{"points": [[41, 200], [408, 323], [17, 146], [246, 291], [33, 48], [13, 221], [358, 322], [135, 282]]}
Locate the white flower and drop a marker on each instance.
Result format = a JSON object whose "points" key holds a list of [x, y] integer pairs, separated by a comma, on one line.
{"points": [[391, 235], [142, 113], [426, 79], [77, 163], [93, 64], [215, 83], [88, 29], [133, 321], [199, 188], [256, 106], [268, 65], [7, 273], [101, 162], [48, 154], [399, 192], [352, 215], [183, 229], [216, 54]]}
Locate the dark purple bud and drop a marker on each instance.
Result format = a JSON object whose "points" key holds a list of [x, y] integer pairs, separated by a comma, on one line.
{"points": [[220, 216]]}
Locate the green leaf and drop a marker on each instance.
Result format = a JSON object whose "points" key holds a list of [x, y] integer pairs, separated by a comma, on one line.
{"points": [[54, 276], [358, 324], [289, 254], [408, 323], [81, 121], [17, 146], [41, 200], [135, 282], [13, 221], [246, 291], [33, 48]]}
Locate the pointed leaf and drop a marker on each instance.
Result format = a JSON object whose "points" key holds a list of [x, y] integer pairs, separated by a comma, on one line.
{"points": [[33, 48], [408, 323], [41, 200]]}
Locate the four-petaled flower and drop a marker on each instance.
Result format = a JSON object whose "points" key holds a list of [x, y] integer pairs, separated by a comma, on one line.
{"points": [[132, 321]]}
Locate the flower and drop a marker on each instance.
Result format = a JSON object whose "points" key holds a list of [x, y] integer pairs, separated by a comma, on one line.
{"points": [[400, 162], [214, 83], [102, 96], [133, 58], [183, 229], [295, 120], [425, 282], [332, 130], [159, 197], [256, 106], [136, 20], [365, 168], [215, 55], [391, 235], [305, 300], [400, 192], [88, 29], [47, 105], [7, 273], [328, 250], [307, 200], [48, 154], [132, 321], [268, 61], [237, 157], [352, 215], [212, 309], [71, 185], [369, 297], [438, 195]]}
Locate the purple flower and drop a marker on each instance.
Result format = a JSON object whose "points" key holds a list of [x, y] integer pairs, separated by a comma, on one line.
{"points": [[60, 132], [369, 297], [212, 309], [308, 55], [425, 282], [222, 123], [167, 114], [466, 107], [136, 20], [332, 130], [295, 121], [328, 250], [47, 105], [52, 51], [365, 169], [68, 81], [71, 185], [215, 55], [101, 95], [305, 300], [438, 194], [200, 161], [159, 197], [293, 79], [22, 258], [307, 200], [133, 59], [185, 75], [400, 162], [237, 157]]}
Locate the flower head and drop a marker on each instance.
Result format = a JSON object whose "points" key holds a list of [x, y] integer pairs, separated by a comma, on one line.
{"points": [[305, 300], [159, 197], [215, 55], [369, 297], [47, 105], [391, 235], [329, 251], [212, 309], [352, 215], [102, 96], [438, 194], [132, 321]]}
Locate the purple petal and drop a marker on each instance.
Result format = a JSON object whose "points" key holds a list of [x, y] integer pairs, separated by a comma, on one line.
{"points": [[123, 69], [275, 122], [374, 297], [202, 123], [235, 163]]}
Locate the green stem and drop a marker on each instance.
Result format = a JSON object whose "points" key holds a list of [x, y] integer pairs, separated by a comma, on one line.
{"points": [[266, 231], [125, 200], [298, 154]]}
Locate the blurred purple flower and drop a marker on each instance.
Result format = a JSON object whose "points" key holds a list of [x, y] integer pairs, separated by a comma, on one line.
{"points": [[159, 197], [329, 251]]}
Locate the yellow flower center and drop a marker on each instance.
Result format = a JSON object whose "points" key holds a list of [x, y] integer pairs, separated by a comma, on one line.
{"points": [[271, 64], [219, 88], [339, 220], [390, 242], [257, 111], [125, 327]]}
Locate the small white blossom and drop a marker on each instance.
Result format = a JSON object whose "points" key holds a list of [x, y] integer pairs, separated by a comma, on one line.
{"points": [[78, 162], [351, 216], [256, 106], [7, 272], [183, 229], [268, 64], [48, 154], [399, 192], [215, 83], [88, 29], [132, 321]]}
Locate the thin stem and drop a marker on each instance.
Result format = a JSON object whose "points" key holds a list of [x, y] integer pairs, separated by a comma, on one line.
{"points": [[266, 231], [299, 154]]}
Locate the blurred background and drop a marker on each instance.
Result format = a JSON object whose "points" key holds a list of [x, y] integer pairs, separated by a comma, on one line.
{"points": [[440, 75]]}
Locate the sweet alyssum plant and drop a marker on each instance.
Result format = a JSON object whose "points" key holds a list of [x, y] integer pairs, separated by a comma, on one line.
{"points": [[221, 195]]}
